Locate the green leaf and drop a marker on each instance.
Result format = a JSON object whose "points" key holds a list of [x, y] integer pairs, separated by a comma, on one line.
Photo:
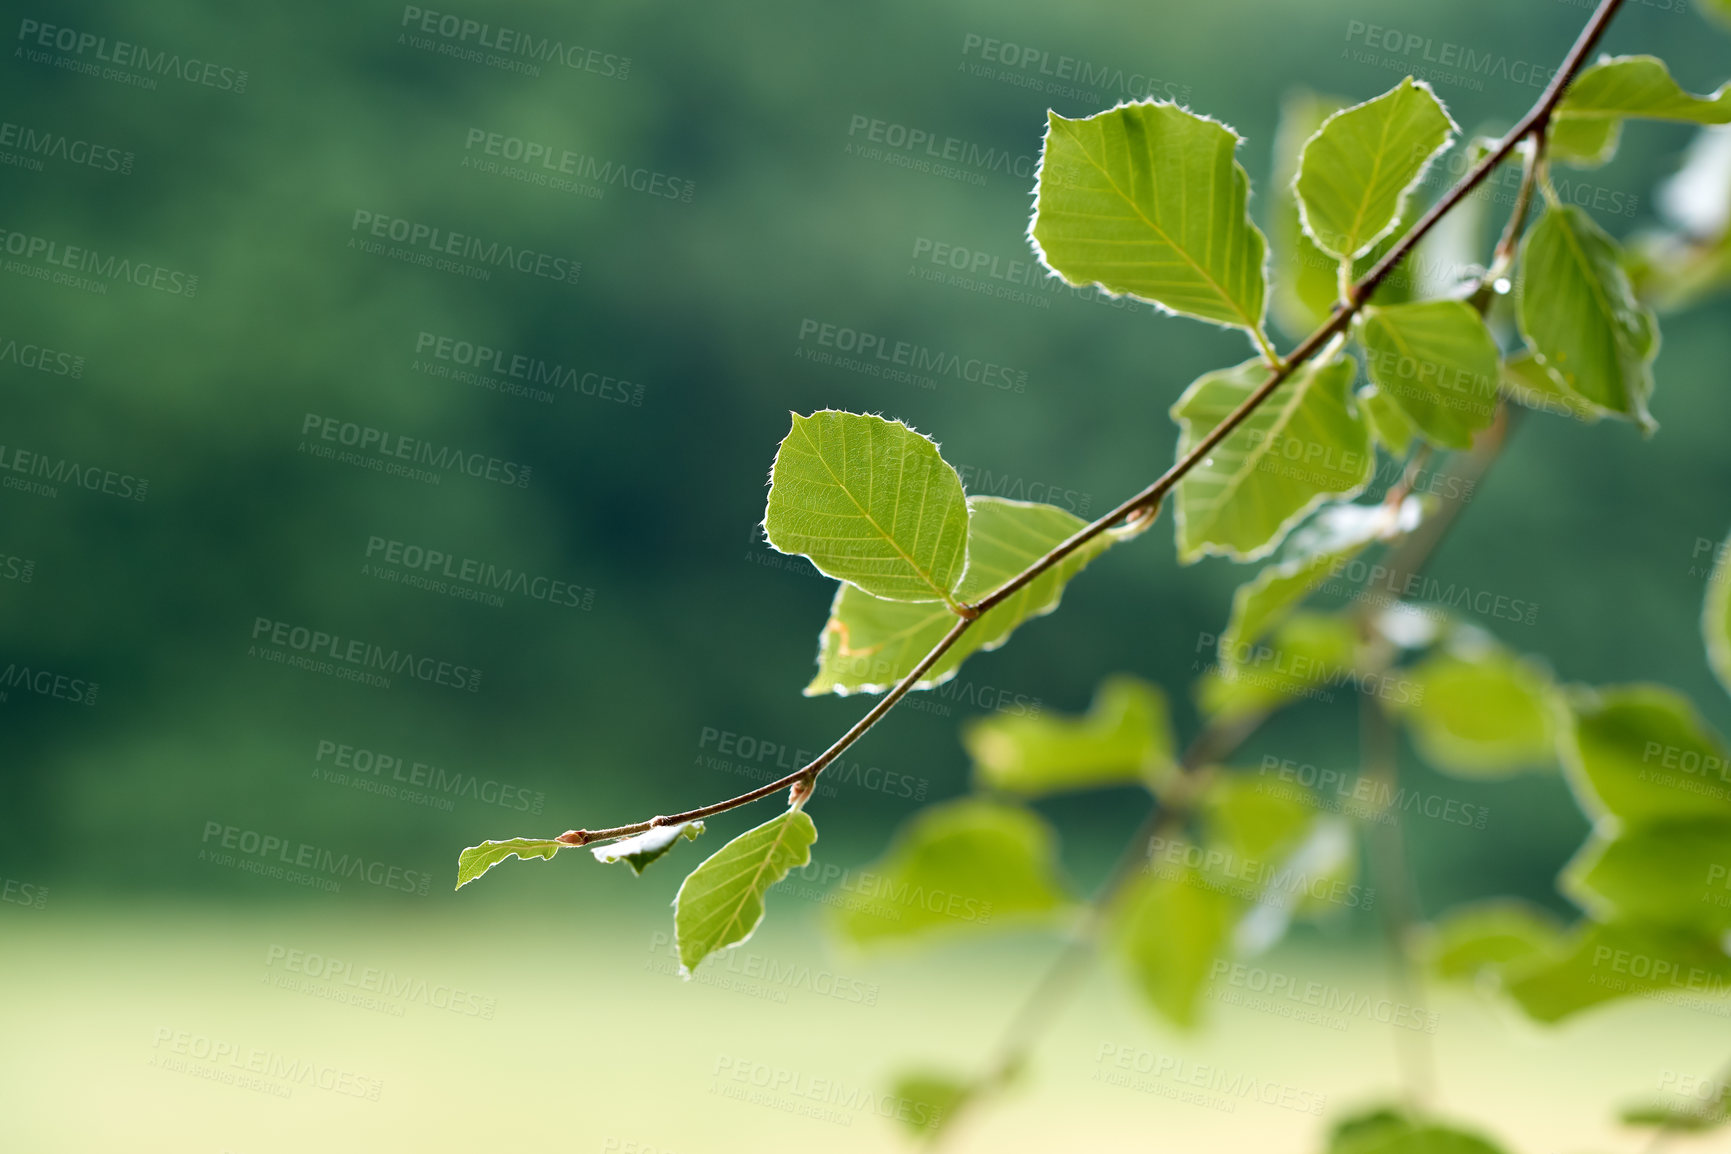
{"points": [[870, 502], [868, 644], [1719, 10], [1526, 381], [1304, 444], [1479, 711], [1604, 962], [1356, 172], [1125, 737], [1389, 424], [478, 859], [1438, 362], [1318, 551], [1251, 823], [1490, 938], [1641, 753], [1580, 316], [970, 863], [1389, 1132], [1146, 199], [926, 1101], [1673, 873], [721, 902], [639, 851], [1307, 655], [1697, 1117], [1305, 284], [1716, 618], [1585, 125], [1171, 929]]}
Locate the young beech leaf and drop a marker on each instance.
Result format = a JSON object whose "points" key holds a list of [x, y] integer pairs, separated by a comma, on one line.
{"points": [[478, 859], [1601, 962], [1640, 753], [1146, 199], [1389, 1132], [1355, 173], [926, 1101], [1580, 316], [1316, 552], [646, 847], [1304, 444], [1388, 422], [1716, 618], [870, 502], [1672, 873], [1125, 737], [1308, 655], [721, 903], [1171, 928], [1438, 362], [1490, 939], [1480, 711], [967, 864], [868, 644], [1526, 381], [1586, 124]]}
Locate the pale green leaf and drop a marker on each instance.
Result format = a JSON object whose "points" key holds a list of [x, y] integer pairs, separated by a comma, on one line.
{"points": [[870, 502], [1125, 737], [1617, 88], [1306, 279], [1716, 618], [1580, 316], [926, 1101], [478, 859], [1356, 172], [1171, 929], [1480, 711], [1389, 1132], [1697, 1117], [1301, 446], [1307, 656], [1438, 362], [1490, 938], [1642, 754], [1389, 424], [1603, 962], [1673, 873], [1316, 552], [868, 644], [1147, 199], [967, 864], [721, 902], [1526, 381], [639, 851]]}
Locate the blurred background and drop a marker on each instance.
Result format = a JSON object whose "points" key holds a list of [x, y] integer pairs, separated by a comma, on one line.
{"points": [[591, 283]]}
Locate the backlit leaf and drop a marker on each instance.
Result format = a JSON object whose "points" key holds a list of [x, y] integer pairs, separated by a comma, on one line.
{"points": [[1307, 657], [1125, 737], [1438, 362], [1604, 962], [1489, 938], [1716, 618], [1585, 125], [478, 859], [1480, 711], [1389, 424], [1642, 754], [639, 851], [1673, 873], [720, 903], [1171, 929], [1526, 381]]}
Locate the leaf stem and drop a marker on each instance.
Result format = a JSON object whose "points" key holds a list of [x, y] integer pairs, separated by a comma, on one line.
{"points": [[1134, 508]]}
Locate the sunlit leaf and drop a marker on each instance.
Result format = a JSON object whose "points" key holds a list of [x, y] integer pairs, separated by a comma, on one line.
{"points": [[1389, 424], [1307, 657], [1585, 125], [1489, 938], [870, 502], [478, 859], [1480, 711], [868, 644], [647, 847], [1303, 445], [968, 864], [1125, 737], [1716, 618], [1642, 754], [926, 1101], [1604, 962], [1357, 170], [1438, 362], [1392, 1132], [720, 903], [1526, 381], [1171, 928], [1306, 279], [1147, 199], [1672, 873]]}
